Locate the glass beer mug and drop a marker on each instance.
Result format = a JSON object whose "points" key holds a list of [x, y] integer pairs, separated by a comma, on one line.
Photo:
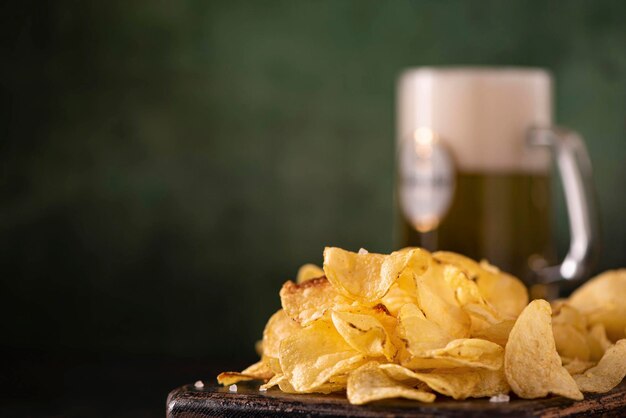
{"points": [[473, 171]]}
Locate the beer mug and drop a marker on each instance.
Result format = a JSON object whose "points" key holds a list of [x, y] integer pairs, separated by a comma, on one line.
{"points": [[474, 149]]}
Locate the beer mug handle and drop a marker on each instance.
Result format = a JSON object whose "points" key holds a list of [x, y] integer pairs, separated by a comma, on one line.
{"points": [[574, 165]]}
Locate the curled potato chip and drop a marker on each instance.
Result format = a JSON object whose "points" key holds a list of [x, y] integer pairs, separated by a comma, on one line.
{"points": [[467, 352], [411, 262], [310, 300], [279, 327], [308, 272], [404, 265], [608, 373], [419, 333], [369, 383], [565, 314], [437, 299], [601, 300], [399, 295], [364, 333], [497, 333], [356, 275], [258, 371], [576, 366], [597, 341], [531, 363], [458, 383], [570, 342], [282, 382], [314, 354], [504, 292]]}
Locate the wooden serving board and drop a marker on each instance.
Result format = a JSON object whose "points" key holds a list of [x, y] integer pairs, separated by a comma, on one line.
{"points": [[213, 401]]}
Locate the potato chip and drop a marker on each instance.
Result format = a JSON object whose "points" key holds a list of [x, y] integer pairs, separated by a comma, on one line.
{"points": [[228, 378], [258, 371], [274, 381], [597, 342], [311, 356], [356, 276], [404, 265], [570, 342], [308, 272], [576, 366], [458, 383], [505, 293], [282, 382], [369, 383], [310, 300], [437, 299], [467, 352], [608, 373], [531, 362], [364, 333], [601, 301], [565, 314], [279, 327], [418, 333], [497, 333], [398, 295], [410, 262]]}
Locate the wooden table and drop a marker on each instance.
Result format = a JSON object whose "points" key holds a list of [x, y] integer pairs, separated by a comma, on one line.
{"points": [[213, 401]]}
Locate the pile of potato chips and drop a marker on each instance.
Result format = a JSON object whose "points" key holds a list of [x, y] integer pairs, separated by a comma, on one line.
{"points": [[412, 324]]}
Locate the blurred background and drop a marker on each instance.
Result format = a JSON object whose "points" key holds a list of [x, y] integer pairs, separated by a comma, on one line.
{"points": [[166, 166]]}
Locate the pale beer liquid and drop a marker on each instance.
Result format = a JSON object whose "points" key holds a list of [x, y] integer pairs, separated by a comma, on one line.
{"points": [[504, 218]]}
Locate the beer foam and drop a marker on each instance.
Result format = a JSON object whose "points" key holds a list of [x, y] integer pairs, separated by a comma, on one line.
{"points": [[481, 114]]}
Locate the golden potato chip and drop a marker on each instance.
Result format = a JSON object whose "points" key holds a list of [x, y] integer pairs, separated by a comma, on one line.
{"points": [[608, 373], [258, 371], [601, 301], [437, 299], [576, 366], [314, 354], [279, 327], [418, 333], [364, 333], [274, 381], [310, 300], [570, 342], [497, 333], [467, 352], [228, 378], [369, 383], [482, 316], [308, 272], [356, 276], [404, 265], [458, 383], [282, 382], [597, 341], [565, 314], [411, 262], [505, 293], [531, 363], [398, 296]]}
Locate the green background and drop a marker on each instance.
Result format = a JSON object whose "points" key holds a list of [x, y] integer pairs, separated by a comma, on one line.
{"points": [[166, 166]]}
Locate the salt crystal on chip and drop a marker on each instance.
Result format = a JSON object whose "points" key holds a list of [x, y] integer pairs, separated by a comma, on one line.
{"points": [[232, 388], [363, 251], [199, 384]]}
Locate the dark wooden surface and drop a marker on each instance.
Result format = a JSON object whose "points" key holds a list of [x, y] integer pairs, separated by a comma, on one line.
{"points": [[213, 401]]}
